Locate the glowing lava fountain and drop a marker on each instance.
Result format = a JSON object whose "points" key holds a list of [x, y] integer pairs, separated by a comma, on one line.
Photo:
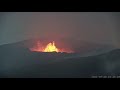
{"points": [[51, 47]]}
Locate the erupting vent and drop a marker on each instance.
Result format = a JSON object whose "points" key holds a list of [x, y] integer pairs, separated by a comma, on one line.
{"points": [[50, 47]]}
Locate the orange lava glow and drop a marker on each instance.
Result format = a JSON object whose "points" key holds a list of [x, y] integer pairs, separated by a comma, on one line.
{"points": [[50, 47]]}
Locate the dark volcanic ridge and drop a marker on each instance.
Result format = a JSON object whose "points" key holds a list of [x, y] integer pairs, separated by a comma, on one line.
{"points": [[18, 61], [84, 48]]}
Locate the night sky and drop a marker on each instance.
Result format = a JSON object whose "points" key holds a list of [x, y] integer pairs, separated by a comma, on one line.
{"points": [[98, 27]]}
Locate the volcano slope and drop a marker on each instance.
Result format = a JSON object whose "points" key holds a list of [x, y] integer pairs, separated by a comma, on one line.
{"points": [[19, 62]]}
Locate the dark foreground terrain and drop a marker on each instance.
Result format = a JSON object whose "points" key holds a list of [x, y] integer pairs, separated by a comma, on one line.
{"points": [[19, 62]]}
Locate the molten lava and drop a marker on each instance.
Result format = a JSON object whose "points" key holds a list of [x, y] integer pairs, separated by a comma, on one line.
{"points": [[51, 47]]}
